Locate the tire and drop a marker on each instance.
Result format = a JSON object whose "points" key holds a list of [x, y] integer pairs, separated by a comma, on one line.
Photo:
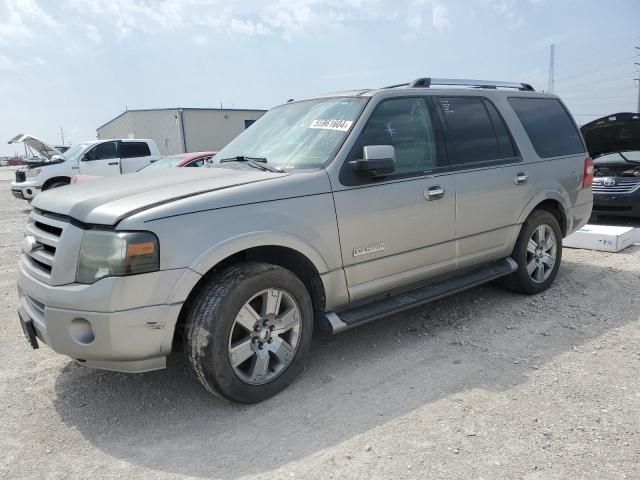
{"points": [[219, 325], [56, 184], [522, 281]]}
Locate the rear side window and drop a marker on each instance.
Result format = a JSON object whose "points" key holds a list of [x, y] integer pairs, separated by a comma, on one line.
{"points": [[134, 149], [549, 126], [475, 131]]}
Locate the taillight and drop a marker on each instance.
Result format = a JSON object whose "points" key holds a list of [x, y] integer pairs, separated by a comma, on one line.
{"points": [[587, 178]]}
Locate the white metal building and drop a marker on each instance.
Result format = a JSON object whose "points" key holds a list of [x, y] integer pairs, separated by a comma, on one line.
{"points": [[178, 130]]}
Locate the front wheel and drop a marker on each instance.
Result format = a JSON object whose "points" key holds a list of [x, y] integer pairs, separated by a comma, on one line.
{"points": [[248, 331], [538, 252]]}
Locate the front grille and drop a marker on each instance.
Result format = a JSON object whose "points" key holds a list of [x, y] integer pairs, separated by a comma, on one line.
{"points": [[621, 185], [42, 236], [21, 176]]}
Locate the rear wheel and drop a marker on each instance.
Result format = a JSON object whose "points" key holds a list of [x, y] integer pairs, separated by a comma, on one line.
{"points": [[249, 331], [538, 252]]}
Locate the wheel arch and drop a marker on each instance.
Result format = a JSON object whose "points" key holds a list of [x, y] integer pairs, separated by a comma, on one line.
{"points": [[283, 254], [554, 204], [51, 180]]}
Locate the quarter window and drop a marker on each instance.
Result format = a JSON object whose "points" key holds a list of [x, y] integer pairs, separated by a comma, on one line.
{"points": [[549, 126], [406, 124], [475, 131], [134, 149]]}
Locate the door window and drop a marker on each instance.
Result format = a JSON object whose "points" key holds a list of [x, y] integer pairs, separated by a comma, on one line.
{"points": [[134, 149], [103, 151], [475, 131], [406, 124]]}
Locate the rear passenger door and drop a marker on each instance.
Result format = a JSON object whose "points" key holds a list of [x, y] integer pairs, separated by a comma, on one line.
{"points": [[397, 230], [134, 156], [491, 181]]}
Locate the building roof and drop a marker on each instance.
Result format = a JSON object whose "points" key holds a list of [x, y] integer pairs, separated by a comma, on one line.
{"points": [[181, 108]]}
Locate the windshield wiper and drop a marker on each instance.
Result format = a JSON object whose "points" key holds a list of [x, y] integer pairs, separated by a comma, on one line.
{"points": [[256, 162]]}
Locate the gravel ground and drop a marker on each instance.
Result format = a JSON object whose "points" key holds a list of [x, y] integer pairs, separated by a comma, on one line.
{"points": [[485, 384]]}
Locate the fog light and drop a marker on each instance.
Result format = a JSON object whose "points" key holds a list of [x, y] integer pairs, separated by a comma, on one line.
{"points": [[81, 331]]}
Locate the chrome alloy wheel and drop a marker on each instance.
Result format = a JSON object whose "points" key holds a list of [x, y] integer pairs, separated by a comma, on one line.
{"points": [[541, 253], [264, 336]]}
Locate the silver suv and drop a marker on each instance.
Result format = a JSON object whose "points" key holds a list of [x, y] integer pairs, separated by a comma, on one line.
{"points": [[330, 212]]}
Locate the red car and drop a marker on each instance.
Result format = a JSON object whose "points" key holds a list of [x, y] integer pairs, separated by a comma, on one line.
{"points": [[15, 161], [193, 159]]}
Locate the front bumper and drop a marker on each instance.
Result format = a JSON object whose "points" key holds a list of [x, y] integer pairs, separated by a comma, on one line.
{"points": [[25, 190], [623, 204], [125, 324]]}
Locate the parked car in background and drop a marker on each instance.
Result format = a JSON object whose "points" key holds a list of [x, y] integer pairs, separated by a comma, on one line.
{"points": [[14, 162], [614, 143], [193, 159], [334, 210], [97, 157]]}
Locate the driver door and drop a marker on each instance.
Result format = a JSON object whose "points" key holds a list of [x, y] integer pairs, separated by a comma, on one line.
{"points": [[399, 229], [102, 160]]}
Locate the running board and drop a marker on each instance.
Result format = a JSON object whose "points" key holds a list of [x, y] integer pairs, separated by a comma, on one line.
{"points": [[356, 316]]}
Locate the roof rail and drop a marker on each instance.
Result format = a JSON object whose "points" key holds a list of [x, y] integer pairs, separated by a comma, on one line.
{"points": [[427, 82]]}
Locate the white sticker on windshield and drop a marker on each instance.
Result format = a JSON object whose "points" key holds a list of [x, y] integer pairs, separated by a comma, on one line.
{"points": [[342, 125]]}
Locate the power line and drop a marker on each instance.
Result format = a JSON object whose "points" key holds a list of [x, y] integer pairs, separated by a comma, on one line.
{"points": [[591, 82], [598, 68], [604, 90], [596, 97]]}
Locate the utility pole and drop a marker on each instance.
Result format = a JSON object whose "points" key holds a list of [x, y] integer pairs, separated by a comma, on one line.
{"points": [[62, 135], [638, 79], [551, 67]]}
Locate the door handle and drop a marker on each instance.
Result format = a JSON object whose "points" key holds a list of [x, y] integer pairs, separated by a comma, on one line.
{"points": [[112, 163], [434, 193], [521, 178]]}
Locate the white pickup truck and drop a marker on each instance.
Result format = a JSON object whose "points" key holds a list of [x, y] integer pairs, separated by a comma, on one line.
{"points": [[98, 157]]}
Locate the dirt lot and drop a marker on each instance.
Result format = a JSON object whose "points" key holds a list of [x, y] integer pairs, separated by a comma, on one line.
{"points": [[486, 384]]}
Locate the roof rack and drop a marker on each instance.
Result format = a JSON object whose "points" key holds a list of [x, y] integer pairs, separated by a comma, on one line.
{"points": [[427, 82]]}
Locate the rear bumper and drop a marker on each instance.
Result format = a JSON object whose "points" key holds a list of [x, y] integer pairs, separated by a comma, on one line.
{"points": [[578, 216], [626, 205]]}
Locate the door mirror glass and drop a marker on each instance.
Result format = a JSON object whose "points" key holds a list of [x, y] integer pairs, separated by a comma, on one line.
{"points": [[376, 161]]}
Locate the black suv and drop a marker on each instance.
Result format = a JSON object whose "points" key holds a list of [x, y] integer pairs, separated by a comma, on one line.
{"points": [[614, 144]]}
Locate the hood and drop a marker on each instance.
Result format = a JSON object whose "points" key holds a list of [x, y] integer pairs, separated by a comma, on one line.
{"points": [[619, 132], [44, 150], [108, 200]]}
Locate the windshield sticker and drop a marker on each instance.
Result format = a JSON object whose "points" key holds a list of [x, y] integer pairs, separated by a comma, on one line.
{"points": [[341, 125]]}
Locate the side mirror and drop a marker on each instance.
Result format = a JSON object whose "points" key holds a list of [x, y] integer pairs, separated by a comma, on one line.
{"points": [[377, 161]]}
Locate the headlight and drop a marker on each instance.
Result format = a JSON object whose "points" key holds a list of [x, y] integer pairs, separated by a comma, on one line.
{"points": [[116, 254], [32, 172]]}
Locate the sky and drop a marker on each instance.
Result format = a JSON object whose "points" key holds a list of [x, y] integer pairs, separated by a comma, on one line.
{"points": [[76, 64]]}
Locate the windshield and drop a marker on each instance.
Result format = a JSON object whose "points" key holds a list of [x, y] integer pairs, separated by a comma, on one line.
{"points": [[76, 150], [166, 162], [297, 135]]}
